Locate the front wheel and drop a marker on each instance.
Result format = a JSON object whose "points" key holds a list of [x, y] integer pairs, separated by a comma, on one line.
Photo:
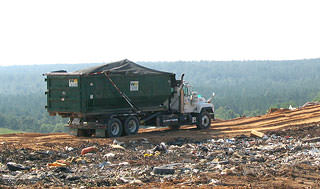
{"points": [[114, 127], [204, 120]]}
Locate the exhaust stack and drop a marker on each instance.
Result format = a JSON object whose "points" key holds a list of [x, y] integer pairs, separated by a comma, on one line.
{"points": [[181, 95]]}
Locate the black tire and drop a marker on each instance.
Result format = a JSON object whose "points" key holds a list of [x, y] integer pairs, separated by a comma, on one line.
{"points": [[114, 128], [131, 125], [204, 120], [174, 127]]}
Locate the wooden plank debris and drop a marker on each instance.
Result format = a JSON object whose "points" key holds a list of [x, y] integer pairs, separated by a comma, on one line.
{"points": [[256, 133]]}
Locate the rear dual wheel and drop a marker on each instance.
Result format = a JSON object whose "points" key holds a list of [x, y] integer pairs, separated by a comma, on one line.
{"points": [[115, 127], [131, 125]]}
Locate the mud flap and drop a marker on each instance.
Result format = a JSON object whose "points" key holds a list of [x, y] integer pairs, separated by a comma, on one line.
{"points": [[101, 133]]}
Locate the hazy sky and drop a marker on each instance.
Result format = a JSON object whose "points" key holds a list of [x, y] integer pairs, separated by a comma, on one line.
{"points": [[49, 32]]}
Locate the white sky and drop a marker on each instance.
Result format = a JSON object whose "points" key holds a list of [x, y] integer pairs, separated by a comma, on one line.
{"points": [[49, 32]]}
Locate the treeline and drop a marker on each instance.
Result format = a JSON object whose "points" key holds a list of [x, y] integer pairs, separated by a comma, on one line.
{"points": [[250, 88], [242, 88], [27, 113]]}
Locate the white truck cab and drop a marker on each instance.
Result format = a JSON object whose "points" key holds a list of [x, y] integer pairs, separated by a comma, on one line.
{"points": [[194, 102], [190, 107]]}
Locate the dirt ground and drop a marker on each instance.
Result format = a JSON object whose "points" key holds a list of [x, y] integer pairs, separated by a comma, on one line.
{"points": [[299, 124], [229, 128]]}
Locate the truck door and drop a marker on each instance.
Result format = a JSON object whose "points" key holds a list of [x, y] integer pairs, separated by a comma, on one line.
{"points": [[188, 107]]}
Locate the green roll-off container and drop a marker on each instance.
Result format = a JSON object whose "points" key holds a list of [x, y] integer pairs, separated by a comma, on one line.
{"points": [[102, 90]]}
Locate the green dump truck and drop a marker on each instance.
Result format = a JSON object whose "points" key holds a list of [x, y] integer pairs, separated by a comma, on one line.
{"points": [[114, 99]]}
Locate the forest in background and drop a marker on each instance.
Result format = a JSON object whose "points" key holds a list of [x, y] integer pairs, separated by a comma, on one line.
{"points": [[242, 88]]}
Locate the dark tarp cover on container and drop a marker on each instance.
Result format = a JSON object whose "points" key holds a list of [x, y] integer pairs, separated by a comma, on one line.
{"points": [[125, 67]]}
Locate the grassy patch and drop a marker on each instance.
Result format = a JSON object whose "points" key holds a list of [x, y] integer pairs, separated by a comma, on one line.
{"points": [[8, 131]]}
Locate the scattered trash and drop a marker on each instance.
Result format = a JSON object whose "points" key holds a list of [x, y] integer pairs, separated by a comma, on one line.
{"points": [[136, 181], [109, 155], [63, 169], [140, 163], [161, 147], [63, 162], [291, 108], [69, 149], [89, 149], [72, 177], [123, 163], [316, 139], [124, 180], [56, 164], [82, 160], [16, 167], [156, 153], [204, 149], [104, 164], [163, 170], [115, 142], [145, 141], [310, 104], [214, 182], [265, 137], [116, 146]]}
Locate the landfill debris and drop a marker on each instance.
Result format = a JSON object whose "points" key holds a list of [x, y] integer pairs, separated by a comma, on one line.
{"points": [[136, 181], [241, 160], [163, 170], [124, 163], [56, 164], [257, 133], [89, 149], [148, 155], [104, 164], [156, 153], [310, 104], [67, 148], [72, 177], [82, 160], [316, 139], [214, 182], [62, 161], [109, 155], [63, 169], [145, 141], [291, 108], [161, 147], [116, 146], [115, 142], [16, 167]]}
